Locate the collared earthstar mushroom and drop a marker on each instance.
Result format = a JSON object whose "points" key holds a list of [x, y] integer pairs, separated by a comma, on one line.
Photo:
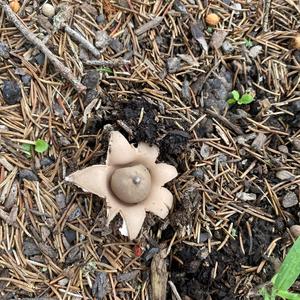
{"points": [[131, 182]]}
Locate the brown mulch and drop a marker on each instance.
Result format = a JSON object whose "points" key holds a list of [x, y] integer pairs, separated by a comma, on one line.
{"points": [[163, 76]]}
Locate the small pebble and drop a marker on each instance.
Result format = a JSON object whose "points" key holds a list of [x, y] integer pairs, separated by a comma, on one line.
{"points": [[227, 47], [4, 50], [48, 10], [63, 281], [283, 149], [102, 39], [246, 196], [255, 51], [45, 232], [259, 141], [173, 64], [26, 79], [75, 214], [116, 45], [11, 92], [295, 231], [46, 161], [198, 173], [70, 235], [185, 92], [179, 6], [100, 19], [296, 144], [296, 106], [289, 200], [60, 200], [90, 95], [64, 141], [91, 79], [58, 109], [204, 236], [40, 58], [30, 248], [285, 175], [28, 175], [205, 151]]}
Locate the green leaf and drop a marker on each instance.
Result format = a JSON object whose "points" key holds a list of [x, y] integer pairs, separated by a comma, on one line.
{"points": [[248, 43], [41, 146], [266, 295], [288, 295], [290, 268], [210, 29], [235, 94], [106, 70], [26, 148], [245, 99], [231, 101]]}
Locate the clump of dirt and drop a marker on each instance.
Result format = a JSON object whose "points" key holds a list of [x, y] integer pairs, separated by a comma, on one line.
{"points": [[216, 274], [139, 115], [172, 145]]}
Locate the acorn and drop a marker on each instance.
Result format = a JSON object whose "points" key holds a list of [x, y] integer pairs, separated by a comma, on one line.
{"points": [[15, 5], [212, 19]]}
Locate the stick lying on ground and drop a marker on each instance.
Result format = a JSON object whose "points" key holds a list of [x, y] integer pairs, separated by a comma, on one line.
{"points": [[61, 68], [107, 63], [82, 40]]}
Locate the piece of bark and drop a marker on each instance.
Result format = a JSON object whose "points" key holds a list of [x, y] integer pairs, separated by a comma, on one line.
{"points": [[149, 25], [159, 276]]}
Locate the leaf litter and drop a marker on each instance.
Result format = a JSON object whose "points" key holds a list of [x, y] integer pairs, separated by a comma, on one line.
{"points": [[170, 76]]}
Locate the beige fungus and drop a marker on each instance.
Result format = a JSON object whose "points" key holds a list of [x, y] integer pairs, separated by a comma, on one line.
{"points": [[131, 182]]}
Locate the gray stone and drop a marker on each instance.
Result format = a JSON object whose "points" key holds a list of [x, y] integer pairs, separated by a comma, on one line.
{"points": [[285, 175], [28, 175], [100, 19], [227, 47], [296, 144], [4, 50], [11, 92], [246, 196], [173, 64], [289, 200]]}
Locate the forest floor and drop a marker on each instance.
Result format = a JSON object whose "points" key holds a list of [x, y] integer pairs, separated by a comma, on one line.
{"points": [[159, 73]]}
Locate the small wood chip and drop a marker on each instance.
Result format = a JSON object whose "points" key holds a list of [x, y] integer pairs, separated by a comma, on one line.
{"points": [[218, 38], [259, 142], [149, 25], [159, 276]]}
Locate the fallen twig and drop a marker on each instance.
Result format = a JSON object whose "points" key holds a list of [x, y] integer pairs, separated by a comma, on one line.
{"points": [[61, 68], [107, 63], [82, 40], [225, 121], [266, 13]]}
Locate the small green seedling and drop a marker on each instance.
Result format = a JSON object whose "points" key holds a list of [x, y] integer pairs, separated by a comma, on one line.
{"points": [[39, 145], [248, 43], [210, 29], [286, 277], [236, 98], [105, 70]]}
